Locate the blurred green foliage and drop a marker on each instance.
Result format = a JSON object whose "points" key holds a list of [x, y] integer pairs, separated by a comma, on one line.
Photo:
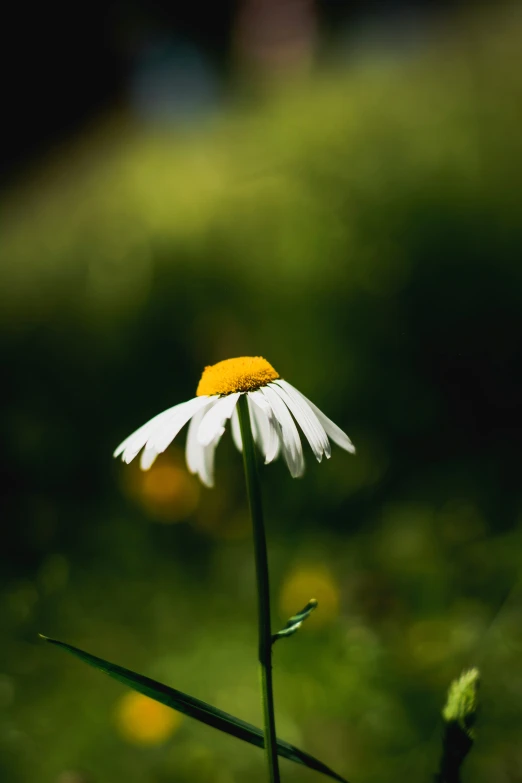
{"points": [[362, 231]]}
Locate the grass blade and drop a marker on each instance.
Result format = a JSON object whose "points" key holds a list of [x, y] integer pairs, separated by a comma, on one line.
{"points": [[195, 708]]}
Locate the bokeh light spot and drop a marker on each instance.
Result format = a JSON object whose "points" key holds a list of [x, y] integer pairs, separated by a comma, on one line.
{"points": [[143, 721], [167, 492]]}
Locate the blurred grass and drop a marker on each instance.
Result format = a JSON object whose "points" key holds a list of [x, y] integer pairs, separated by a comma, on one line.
{"points": [[362, 230]]}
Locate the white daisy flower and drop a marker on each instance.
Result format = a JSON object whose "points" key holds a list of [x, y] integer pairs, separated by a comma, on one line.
{"points": [[275, 408]]}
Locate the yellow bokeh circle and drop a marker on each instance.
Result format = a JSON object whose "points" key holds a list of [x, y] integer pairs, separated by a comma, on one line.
{"points": [[167, 491], [143, 721]]}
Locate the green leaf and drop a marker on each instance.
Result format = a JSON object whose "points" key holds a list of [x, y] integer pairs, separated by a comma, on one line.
{"points": [[195, 708], [296, 621]]}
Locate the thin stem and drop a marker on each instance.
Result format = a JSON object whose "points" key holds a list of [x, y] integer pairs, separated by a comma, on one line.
{"points": [[263, 594], [456, 745]]}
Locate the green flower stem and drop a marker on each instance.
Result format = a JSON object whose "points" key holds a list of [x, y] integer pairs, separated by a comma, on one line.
{"points": [[263, 593]]}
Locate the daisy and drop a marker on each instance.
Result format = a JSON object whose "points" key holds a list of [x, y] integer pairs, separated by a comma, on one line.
{"points": [[276, 408]]}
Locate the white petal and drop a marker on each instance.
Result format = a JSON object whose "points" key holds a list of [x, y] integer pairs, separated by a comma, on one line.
{"points": [[265, 426], [236, 430], [155, 425], [332, 430], [200, 459], [206, 471], [291, 443], [148, 457], [194, 449], [305, 417], [166, 430], [213, 424], [136, 441]]}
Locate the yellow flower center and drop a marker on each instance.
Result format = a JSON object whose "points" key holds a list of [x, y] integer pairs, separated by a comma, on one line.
{"points": [[243, 374]]}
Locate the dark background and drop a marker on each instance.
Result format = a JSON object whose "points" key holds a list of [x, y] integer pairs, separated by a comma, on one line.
{"points": [[335, 187], [64, 66]]}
